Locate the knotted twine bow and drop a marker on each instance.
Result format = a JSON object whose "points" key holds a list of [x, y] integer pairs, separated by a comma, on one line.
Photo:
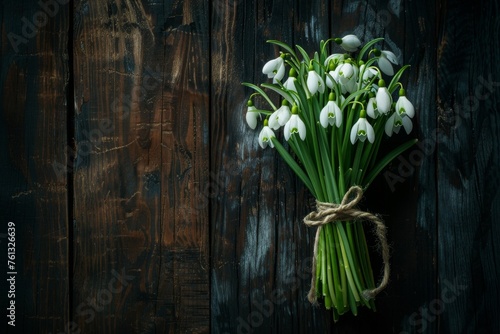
{"points": [[345, 211]]}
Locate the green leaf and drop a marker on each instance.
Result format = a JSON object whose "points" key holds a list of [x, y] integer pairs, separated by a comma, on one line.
{"points": [[287, 48], [261, 92], [293, 165], [387, 159], [352, 97], [396, 78], [304, 54], [367, 46], [280, 91]]}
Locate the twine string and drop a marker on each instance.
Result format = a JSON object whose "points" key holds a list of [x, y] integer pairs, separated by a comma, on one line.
{"points": [[345, 211]]}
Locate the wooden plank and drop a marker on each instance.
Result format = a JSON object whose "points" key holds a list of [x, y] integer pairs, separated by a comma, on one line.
{"points": [[260, 248], [33, 87], [468, 168], [251, 251], [408, 206], [142, 87], [408, 209]]}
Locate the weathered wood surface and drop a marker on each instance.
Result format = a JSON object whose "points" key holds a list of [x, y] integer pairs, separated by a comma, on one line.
{"points": [[468, 168], [180, 223], [260, 253], [142, 88], [33, 87]]}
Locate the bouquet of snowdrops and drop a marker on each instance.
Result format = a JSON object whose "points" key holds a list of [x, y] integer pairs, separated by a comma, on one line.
{"points": [[334, 110]]}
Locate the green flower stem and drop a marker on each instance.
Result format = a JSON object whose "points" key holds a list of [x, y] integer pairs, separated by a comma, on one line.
{"points": [[317, 157], [345, 255], [352, 237], [349, 247], [293, 165], [261, 92], [339, 288], [352, 250], [360, 264], [325, 290], [352, 113], [367, 46], [335, 266], [329, 276], [336, 316], [333, 157], [340, 260], [352, 302], [356, 163], [361, 254], [388, 158], [364, 255], [328, 164], [305, 158], [370, 156], [342, 189], [346, 142], [331, 184], [319, 265]]}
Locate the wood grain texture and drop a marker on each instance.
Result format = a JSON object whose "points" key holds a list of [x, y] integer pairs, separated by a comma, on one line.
{"points": [[266, 244], [34, 78], [182, 224], [142, 87], [468, 165], [261, 250]]}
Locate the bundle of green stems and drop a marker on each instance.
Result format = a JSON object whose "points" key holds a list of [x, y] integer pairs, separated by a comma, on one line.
{"points": [[336, 110]]}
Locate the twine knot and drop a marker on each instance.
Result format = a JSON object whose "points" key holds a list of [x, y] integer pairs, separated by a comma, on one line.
{"points": [[345, 211]]}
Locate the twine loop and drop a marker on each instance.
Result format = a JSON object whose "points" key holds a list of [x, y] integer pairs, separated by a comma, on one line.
{"points": [[345, 211]]}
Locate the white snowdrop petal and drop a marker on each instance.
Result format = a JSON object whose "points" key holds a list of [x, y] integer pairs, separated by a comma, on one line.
{"points": [[390, 56], [407, 124], [385, 66]]}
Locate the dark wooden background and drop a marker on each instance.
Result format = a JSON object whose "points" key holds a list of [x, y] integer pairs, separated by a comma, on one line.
{"points": [[143, 203]]}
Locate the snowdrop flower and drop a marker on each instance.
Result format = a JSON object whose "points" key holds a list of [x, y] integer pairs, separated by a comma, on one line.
{"points": [[315, 82], [251, 115], [335, 74], [329, 82], [368, 74], [350, 43], [290, 82], [384, 98], [362, 129], [275, 69], [280, 116], [334, 59], [403, 106], [295, 125], [371, 108], [330, 114], [384, 62], [265, 136], [395, 122], [348, 75]]}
